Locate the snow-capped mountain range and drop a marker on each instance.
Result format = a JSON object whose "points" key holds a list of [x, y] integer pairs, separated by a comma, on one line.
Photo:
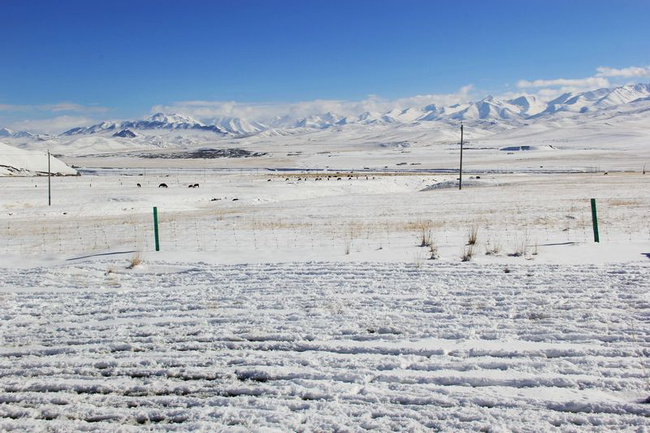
{"points": [[157, 121], [487, 113]]}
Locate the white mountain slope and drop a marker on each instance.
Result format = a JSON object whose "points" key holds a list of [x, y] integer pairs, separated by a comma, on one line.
{"points": [[319, 121], [8, 133], [20, 162], [596, 99], [625, 95], [239, 126]]}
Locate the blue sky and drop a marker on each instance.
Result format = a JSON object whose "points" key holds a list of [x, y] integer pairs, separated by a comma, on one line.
{"points": [[65, 62]]}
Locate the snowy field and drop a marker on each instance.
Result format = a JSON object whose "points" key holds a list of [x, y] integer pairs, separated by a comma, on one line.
{"points": [[91, 345], [338, 299]]}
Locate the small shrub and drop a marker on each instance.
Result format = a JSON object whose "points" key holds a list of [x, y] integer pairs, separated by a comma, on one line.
{"points": [[492, 249], [433, 251], [472, 235], [468, 252], [425, 239], [521, 247], [135, 261]]}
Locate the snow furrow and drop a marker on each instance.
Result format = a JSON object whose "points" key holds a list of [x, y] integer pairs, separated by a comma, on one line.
{"points": [[321, 346]]}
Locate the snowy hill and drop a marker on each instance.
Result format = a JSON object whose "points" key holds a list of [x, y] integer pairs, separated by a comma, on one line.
{"points": [[20, 162], [238, 126], [597, 99], [320, 121], [529, 105]]}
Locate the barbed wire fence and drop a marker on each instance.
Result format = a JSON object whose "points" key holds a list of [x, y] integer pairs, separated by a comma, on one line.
{"points": [[187, 231]]}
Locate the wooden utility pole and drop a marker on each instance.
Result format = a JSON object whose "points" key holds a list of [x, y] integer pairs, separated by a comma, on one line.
{"points": [[460, 175], [49, 180]]}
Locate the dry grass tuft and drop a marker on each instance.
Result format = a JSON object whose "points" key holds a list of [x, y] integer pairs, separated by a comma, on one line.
{"points": [[433, 251], [623, 202], [136, 260], [492, 248], [468, 252], [426, 238], [472, 235]]}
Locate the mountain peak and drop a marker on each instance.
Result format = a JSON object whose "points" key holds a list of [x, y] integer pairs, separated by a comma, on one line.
{"points": [[8, 133], [125, 133], [173, 119]]}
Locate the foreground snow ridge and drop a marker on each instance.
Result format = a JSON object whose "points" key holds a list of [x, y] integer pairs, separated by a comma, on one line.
{"points": [[93, 345]]}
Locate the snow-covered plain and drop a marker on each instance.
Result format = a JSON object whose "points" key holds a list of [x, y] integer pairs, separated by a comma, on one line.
{"points": [[324, 346], [294, 300]]}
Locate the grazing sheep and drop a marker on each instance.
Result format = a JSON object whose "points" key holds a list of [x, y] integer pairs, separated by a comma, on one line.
{"points": [[138, 185]]}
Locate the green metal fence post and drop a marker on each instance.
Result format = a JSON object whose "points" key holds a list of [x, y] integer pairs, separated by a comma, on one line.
{"points": [[155, 227], [594, 218]]}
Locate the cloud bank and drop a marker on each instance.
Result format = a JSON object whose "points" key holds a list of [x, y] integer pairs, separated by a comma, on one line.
{"points": [[631, 72], [52, 125], [604, 77], [51, 118], [265, 111], [544, 89]]}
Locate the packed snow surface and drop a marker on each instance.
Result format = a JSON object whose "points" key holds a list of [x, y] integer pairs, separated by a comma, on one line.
{"points": [[182, 346]]}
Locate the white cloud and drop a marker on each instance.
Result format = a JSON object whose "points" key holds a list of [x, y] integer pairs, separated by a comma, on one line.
{"points": [[56, 108], [631, 72], [66, 115], [604, 77], [53, 125], [208, 110], [72, 107], [589, 82]]}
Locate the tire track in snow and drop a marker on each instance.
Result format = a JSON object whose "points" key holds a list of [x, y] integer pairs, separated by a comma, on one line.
{"points": [[313, 346]]}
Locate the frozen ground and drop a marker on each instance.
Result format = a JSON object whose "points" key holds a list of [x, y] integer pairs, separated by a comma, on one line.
{"points": [[265, 216], [182, 346], [279, 302]]}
